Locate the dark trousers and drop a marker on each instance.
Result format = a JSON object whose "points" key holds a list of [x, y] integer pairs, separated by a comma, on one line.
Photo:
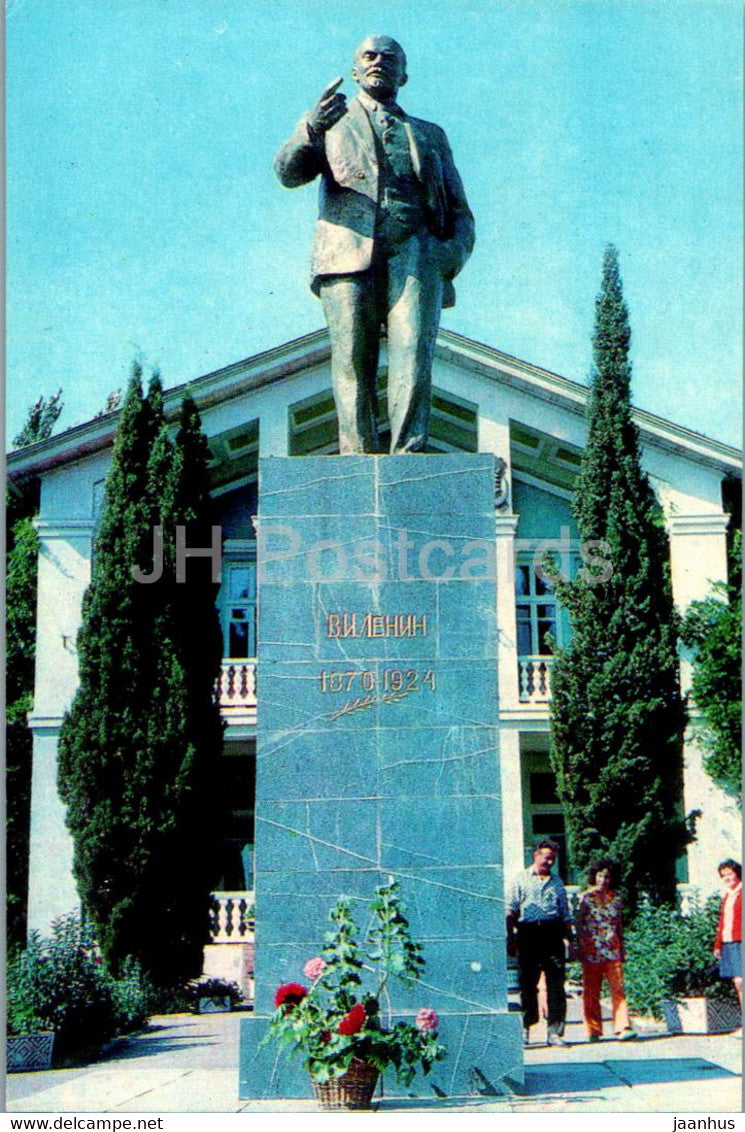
{"points": [[541, 948], [403, 292]]}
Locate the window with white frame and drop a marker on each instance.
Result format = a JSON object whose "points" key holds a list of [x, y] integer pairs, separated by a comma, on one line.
{"points": [[538, 615], [237, 603]]}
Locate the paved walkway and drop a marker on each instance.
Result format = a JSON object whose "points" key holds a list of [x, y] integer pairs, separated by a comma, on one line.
{"points": [[185, 1063]]}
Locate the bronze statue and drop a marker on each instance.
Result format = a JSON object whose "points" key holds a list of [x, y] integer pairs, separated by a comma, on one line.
{"points": [[393, 232]]}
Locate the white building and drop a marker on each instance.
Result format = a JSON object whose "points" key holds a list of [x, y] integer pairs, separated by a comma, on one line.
{"points": [[279, 403]]}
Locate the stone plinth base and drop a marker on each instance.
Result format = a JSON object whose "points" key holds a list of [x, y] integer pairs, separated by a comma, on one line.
{"points": [[378, 743], [485, 1058]]}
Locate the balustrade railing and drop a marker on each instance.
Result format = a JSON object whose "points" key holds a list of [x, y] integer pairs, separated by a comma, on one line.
{"points": [[534, 675], [236, 684], [232, 917]]}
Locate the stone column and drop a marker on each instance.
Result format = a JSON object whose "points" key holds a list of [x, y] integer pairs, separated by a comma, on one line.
{"points": [[509, 691], [51, 885], [63, 574], [512, 807], [698, 555], [494, 436], [719, 828], [698, 559]]}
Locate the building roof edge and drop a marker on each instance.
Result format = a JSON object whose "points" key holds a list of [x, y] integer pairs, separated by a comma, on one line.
{"points": [[312, 349], [553, 387]]}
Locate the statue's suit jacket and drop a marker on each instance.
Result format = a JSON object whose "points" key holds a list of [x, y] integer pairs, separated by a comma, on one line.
{"points": [[346, 160]]}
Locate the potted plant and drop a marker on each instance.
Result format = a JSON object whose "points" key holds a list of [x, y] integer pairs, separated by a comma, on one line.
{"points": [[213, 996], [336, 1024], [60, 994], [30, 1051], [30, 1042], [671, 973]]}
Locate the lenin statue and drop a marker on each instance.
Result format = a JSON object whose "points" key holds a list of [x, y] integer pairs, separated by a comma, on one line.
{"points": [[394, 230]]}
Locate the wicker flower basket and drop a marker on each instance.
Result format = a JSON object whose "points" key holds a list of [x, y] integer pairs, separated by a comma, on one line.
{"points": [[354, 1090]]}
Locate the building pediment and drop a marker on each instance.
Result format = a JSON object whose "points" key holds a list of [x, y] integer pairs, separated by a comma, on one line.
{"points": [[310, 418]]}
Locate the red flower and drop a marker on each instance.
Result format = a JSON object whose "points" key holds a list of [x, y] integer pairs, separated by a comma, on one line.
{"points": [[353, 1022], [289, 995]]}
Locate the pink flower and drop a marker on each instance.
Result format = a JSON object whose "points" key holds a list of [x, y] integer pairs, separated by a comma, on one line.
{"points": [[314, 968], [427, 1019]]}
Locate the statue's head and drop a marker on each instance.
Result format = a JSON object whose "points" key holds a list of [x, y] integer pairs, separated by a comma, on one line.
{"points": [[380, 67]]}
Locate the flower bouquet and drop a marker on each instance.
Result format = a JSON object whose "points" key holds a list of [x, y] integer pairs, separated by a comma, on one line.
{"points": [[336, 1024]]}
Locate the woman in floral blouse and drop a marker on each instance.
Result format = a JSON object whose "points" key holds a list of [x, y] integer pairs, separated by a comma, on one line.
{"points": [[600, 935]]}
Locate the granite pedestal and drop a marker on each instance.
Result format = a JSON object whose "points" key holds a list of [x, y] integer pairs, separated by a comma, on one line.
{"points": [[377, 749]]}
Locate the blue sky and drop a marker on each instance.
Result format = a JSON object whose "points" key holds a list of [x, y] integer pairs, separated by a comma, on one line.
{"points": [[144, 216]]}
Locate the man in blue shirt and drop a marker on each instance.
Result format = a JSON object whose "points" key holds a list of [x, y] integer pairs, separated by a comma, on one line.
{"points": [[538, 923]]}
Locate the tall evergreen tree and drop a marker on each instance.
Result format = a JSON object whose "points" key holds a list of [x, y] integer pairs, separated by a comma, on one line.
{"points": [[185, 728], [617, 716], [139, 746]]}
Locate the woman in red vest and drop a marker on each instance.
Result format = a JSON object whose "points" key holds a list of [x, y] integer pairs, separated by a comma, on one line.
{"points": [[728, 943]]}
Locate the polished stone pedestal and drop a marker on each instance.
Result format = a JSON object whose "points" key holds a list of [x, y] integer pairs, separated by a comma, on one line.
{"points": [[377, 746]]}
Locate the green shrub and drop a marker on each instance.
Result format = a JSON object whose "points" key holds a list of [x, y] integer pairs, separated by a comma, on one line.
{"points": [[168, 999], [669, 955], [61, 984], [131, 998], [25, 1013]]}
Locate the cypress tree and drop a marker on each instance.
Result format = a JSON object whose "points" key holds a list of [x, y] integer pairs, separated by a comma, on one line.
{"points": [[617, 716], [103, 727], [184, 726], [134, 748]]}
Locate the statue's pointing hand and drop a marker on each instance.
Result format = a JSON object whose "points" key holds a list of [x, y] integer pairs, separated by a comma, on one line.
{"points": [[329, 108]]}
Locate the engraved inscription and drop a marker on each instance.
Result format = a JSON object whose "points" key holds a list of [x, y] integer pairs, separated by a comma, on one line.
{"points": [[386, 687], [376, 625], [389, 680]]}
